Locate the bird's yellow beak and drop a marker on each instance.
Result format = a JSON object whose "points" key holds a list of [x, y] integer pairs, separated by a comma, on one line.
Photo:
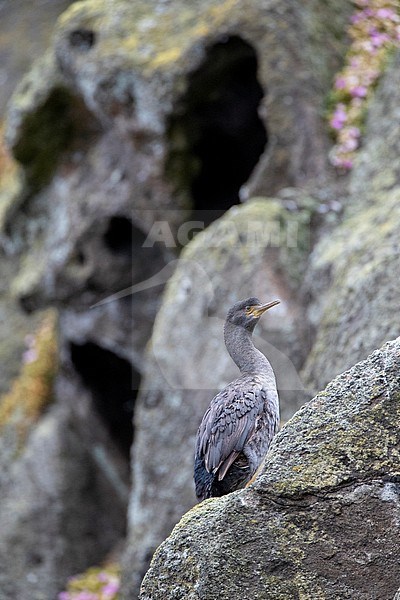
{"points": [[258, 310]]}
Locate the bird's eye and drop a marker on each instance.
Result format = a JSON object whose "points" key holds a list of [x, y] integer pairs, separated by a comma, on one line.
{"points": [[248, 310]]}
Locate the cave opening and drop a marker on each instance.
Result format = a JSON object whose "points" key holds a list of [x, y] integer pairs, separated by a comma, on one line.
{"points": [[128, 242], [120, 234], [114, 385], [216, 133]]}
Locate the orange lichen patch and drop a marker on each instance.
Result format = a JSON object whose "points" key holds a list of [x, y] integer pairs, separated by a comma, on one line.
{"points": [[8, 165], [32, 390]]}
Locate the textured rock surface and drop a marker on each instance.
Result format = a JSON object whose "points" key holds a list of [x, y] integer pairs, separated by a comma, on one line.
{"points": [[53, 501], [49, 519], [62, 504], [188, 363], [321, 521], [354, 274], [32, 24]]}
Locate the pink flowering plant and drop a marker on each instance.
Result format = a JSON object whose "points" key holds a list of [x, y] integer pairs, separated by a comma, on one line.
{"points": [[95, 584], [374, 31]]}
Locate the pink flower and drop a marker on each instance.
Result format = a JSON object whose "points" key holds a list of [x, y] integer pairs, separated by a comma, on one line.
{"points": [[29, 356], [350, 144], [110, 590], [386, 13], [355, 62], [378, 39], [85, 596], [353, 132], [359, 91], [340, 83], [346, 163], [343, 163], [339, 117], [355, 18], [63, 596]]}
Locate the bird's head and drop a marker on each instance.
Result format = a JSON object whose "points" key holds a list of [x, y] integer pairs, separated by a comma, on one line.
{"points": [[247, 313]]}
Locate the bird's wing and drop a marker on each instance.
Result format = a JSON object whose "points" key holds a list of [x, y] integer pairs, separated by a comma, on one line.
{"points": [[227, 425]]}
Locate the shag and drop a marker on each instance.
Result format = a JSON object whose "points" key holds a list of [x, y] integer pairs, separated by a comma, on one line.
{"points": [[242, 419]]}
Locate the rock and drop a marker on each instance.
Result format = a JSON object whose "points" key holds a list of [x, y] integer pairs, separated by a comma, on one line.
{"points": [[187, 362], [321, 519], [58, 509], [129, 76], [353, 277], [32, 26], [376, 163], [141, 114], [15, 326], [62, 490]]}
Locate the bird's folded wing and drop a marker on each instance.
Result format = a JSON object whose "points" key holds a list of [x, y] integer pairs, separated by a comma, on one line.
{"points": [[226, 427]]}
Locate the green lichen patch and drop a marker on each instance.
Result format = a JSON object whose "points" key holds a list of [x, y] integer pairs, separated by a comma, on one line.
{"points": [[45, 134], [154, 44], [97, 583], [32, 390]]}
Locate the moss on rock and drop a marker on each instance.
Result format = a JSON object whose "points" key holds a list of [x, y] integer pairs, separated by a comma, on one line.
{"points": [[44, 135]]}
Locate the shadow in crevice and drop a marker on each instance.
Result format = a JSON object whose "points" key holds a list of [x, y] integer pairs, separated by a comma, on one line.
{"points": [[113, 384], [216, 134]]}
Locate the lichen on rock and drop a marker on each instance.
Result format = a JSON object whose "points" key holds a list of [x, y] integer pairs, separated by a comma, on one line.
{"points": [[32, 390]]}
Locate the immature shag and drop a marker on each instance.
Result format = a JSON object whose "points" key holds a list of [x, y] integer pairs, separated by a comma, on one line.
{"points": [[242, 419]]}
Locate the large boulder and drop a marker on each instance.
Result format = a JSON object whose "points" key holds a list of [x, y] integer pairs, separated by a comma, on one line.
{"points": [[245, 253], [321, 520]]}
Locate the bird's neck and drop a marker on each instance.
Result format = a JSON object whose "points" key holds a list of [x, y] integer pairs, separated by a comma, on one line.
{"points": [[239, 343]]}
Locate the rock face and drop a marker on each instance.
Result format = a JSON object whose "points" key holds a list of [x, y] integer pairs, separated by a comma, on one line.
{"points": [[321, 520], [142, 122], [54, 498], [58, 492], [354, 274], [32, 25]]}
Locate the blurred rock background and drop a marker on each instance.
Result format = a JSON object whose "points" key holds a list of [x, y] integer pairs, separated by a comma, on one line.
{"points": [[137, 124]]}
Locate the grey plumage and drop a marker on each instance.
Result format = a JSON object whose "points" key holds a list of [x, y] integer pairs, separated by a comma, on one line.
{"points": [[242, 419]]}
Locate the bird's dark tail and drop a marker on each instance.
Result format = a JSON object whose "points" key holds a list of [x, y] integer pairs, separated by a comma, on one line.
{"points": [[208, 485], [203, 479]]}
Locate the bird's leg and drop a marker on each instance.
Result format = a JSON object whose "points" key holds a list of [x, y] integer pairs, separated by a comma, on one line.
{"points": [[252, 458], [256, 474]]}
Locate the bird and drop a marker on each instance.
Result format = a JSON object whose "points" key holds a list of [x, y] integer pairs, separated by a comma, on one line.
{"points": [[241, 420]]}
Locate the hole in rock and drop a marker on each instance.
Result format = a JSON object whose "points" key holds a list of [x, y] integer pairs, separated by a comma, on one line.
{"points": [[120, 235], [216, 134], [27, 304], [126, 241], [114, 384], [80, 257], [82, 39]]}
